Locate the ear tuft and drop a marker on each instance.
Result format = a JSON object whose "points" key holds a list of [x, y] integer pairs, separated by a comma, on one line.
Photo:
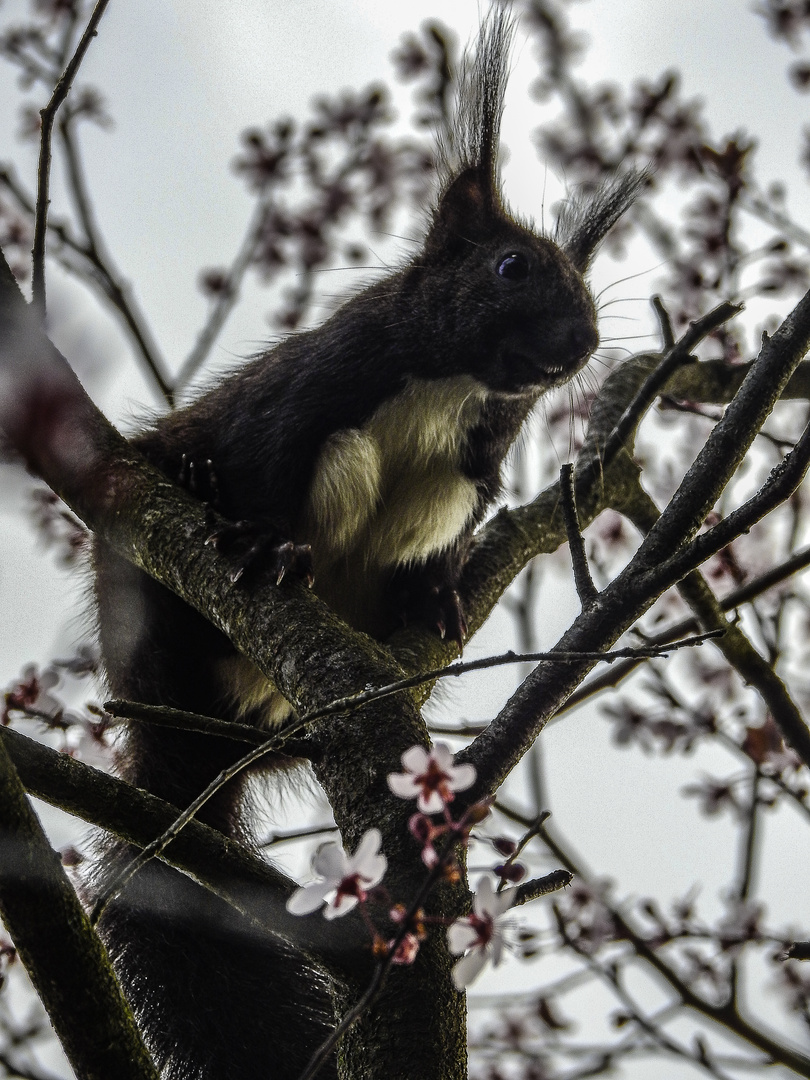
{"points": [[466, 207], [471, 144], [584, 223]]}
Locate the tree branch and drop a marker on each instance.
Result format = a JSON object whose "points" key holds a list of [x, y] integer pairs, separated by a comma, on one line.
{"points": [[66, 961]]}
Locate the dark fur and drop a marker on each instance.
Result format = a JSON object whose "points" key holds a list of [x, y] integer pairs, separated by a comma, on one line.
{"points": [[214, 1000]]}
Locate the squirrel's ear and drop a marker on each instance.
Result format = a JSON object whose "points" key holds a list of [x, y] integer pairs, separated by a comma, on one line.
{"points": [[466, 208]]}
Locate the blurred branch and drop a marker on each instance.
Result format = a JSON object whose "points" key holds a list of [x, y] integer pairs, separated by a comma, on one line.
{"points": [[610, 975], [256, 889], [104, 273], [724, 1014], [227, 297], [65, 959]]}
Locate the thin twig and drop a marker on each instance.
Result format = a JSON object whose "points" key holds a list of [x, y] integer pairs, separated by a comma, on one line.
{"points": [[586, 590], [745, 594], [227, 297], [106, 275], [549, 883], [48, 114], [188, 721], [664, 323], [678, 354], [782, 482]]}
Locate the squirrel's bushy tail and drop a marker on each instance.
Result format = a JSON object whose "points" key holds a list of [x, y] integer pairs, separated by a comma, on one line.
{"points": [[216, 997]]}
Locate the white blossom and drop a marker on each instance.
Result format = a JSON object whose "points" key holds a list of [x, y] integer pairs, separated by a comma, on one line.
{"points": [[430, 777], [344, 879], [479, 935]]}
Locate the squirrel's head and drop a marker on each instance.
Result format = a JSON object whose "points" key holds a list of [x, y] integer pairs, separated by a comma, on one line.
{"points": [[511, 306]]}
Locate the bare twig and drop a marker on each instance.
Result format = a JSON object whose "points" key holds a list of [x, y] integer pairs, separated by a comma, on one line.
{"points": [[226, 299], [105, 275], [732, 600], [549, 883], [586, 590], [48, 114], [677, 354], [178, 718]]}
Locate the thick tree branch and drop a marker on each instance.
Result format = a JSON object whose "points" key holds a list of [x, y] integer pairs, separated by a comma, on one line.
{"points": [[66, 961], [250, 885]]}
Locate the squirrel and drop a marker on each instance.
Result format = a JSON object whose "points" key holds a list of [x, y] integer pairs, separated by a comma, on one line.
{"points": [[360, 455]]}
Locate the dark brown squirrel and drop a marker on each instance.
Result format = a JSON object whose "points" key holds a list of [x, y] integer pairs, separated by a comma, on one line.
{"points": [[363, 453]]}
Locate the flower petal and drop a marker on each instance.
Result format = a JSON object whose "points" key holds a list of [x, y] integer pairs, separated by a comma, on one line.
{"points": [[404, 785], [415, 760], [367, 850], [461, 936], [443, 756], [485, 900], [432, 804], [462, 777], [330, 862], [308, 898], [468, 968], [342, 905]]}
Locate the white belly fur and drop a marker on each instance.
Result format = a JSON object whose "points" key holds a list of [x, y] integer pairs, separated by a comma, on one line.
{"points": [[387, 494]]}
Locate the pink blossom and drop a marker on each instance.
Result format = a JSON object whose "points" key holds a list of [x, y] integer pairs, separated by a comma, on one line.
{"points": [[32, 694], [345, 879], [478, 935], [406, 950], [431, 777]]}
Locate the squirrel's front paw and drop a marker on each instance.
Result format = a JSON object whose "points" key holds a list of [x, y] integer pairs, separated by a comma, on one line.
{"points": [[200, 479], [258, 548], [440, 608]]}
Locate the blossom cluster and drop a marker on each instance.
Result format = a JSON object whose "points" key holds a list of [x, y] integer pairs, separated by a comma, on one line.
{"points": [[344, 882]]}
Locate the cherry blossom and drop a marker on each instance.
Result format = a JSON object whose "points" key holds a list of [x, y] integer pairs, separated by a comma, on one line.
{"points": [[478, 935], [32, 694], [405, 952], [431, 777], [345, 879]]}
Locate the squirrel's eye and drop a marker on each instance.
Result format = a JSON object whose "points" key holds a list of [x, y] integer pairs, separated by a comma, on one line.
{"points": [[514, 266]]}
